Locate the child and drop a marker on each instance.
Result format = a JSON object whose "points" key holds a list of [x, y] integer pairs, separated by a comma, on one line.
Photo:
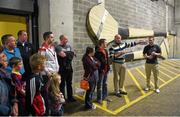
{"points": [[56, 98], [34, 100], [19, 85], [8, 102]]}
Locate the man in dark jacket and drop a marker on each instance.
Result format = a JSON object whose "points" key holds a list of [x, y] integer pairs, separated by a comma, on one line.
{"points": [[65, 57], [26, 50]]}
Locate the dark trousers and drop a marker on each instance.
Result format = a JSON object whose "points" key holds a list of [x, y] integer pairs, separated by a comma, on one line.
{"points": [[89, 93], [102, 87], [66, 80]]}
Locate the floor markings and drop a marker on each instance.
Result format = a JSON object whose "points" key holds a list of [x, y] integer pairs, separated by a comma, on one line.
{"points": [[129, 103]]}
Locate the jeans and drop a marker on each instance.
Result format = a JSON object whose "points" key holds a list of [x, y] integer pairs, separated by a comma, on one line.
{"points": [[89, 93], [102, 87]]}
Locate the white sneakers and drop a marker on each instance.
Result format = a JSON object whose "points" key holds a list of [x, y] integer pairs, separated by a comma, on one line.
{"points": [[156, 90], [147, 89], [93, 107]]}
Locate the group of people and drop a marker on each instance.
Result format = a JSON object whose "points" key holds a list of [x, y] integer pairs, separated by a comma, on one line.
{"points": [[33, 83], [97, 64]]}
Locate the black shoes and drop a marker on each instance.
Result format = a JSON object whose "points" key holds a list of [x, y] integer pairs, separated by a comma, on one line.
{"points": [[118, 95], [123, 92], [72, 99]]}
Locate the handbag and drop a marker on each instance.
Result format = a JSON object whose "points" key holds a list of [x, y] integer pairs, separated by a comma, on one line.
{"points": [[84, 84]]}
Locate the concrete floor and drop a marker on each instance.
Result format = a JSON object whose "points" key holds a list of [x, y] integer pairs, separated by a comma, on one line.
{"points": [[138, 102]]}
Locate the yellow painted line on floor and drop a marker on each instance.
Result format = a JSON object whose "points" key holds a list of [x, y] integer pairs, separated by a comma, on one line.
{"points": [[104, 105], [126, 97], [175, 62], [170, 65], [165, 74], [132, 102], [97, 105], [144, 76], [143, 96], [136, 82], [169, 81], [159, 79], [168, 70]]}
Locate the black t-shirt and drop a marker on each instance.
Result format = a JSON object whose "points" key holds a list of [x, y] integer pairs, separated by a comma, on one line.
{"points": [[148, 50]]}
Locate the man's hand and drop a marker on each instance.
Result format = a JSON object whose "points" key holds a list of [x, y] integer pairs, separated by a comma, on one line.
{"points": [[142, 42], [62, 54], [148, 57], [120, 53]]}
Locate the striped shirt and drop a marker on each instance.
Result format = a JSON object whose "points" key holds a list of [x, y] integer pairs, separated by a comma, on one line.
{"points": [[116, 48]]}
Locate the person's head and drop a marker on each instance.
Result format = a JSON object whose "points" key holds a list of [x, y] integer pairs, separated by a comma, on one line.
{"points": [[118, 39], [15, 63], [151, 40], [90, 51], [63, 39], [22, 36], [48, 37], [54, 83], [37, 62], [3, 60], [102, 43], [8, 41]]}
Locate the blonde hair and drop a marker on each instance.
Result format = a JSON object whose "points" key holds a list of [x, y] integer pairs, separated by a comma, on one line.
{"points": [[54, 84], [36, 60]]}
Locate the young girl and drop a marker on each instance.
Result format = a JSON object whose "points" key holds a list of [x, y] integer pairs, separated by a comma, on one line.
{"points": [[19, 85], [56, 98]]}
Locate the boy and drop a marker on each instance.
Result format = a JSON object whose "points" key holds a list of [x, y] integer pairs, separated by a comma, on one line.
{"points": [[34, 86]]}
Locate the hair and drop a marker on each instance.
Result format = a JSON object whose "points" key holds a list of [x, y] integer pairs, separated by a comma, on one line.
{"points": [[20, 32], [61, 37], [36, 60], [46, 35], [151, 37], [14, 61], [116, 35], [54, 84], [101, 41], [89, 50], [1, 49], [4, 38]]}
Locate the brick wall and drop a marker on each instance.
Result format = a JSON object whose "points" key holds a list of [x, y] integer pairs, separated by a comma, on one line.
{"points": [[143, 14], [81, 38]]}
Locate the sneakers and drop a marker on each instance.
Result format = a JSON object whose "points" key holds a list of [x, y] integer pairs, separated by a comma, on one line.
{"points": [[99, 101], [157, 90], [118, 95], [93, 107], [123, 92], [147, 89]]}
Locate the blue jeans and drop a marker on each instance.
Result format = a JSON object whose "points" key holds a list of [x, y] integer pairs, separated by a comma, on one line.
{"points": [[102, 91], [4, 110], [89, 93]]}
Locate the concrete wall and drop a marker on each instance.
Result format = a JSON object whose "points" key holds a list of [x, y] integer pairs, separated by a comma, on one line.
{"points": [[177, 25], [56, 16], [129, 13], [44, 18], [81, 38], [69, 17]]}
